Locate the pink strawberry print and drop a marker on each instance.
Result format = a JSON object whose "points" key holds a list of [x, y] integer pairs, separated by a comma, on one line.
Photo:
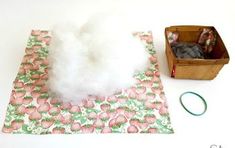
{"points": [[100, 99], [39, 38], [153, 59], [75, 109], [132, 129], [88, 104], [129, 113], [27, 66], [156, 90], [55, 101], [16, 124], [112, 113], [132, 95], [163, 110], [35, 54], [35, 32], [150, 105], [155, 78], [140, 89], [44, 32], [134, 122], [35, 116], [35, 93], [44, 89], [149, 73], [36, 48], [16, 101], [29, 51], [35, 76], [20, 93], [21, 71], [58, 130], [46, 70], [21, 110], [152, 130], [40, 82], [157, 73], [19, 84], [120, 119], [58, 117], [150, 118], [159, 105], [87, 128], [42, 100], [92, 115], [44, 77], [105, 107], [76, 126], [43, 107], [54, 111], [46, 40], [143, 125], [141, 97], [112, 122], [29, 87], [30, 109], [121, 109], [35, 68], [27, 59], [106, 130], [27, 100], [104, 116], [98, 123], [67, 119], [66, 106], [112, 99], [46, 123], [150, 96], [147, 83], [38, 61], [45, 62], [7, 129], [122, 99]]}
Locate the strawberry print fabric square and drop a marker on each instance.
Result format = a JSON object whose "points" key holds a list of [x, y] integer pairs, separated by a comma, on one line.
{"points": [[139, 109]]}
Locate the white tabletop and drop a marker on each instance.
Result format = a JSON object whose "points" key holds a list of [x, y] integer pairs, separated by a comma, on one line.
{"points": [[214, 128]]}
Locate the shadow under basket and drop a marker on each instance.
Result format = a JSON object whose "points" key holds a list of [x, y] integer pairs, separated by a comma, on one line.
{"points": [[199, 69]]}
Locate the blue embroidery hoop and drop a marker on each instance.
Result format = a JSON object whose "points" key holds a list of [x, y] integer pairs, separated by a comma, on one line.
{"points": [[200, 97]]}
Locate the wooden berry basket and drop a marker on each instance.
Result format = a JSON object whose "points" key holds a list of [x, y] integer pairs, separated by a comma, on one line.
{"points": [[200, 69]]}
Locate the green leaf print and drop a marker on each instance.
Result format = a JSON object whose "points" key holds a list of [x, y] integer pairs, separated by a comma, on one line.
{"points": [[8, 118], [89, 110], [26, 130]]}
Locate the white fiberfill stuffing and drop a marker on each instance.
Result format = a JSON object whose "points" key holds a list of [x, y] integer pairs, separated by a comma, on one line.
{"points": [[97, 59]]}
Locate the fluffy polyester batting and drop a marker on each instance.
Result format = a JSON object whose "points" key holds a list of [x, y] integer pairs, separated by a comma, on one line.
{"points": [[97, 59]]}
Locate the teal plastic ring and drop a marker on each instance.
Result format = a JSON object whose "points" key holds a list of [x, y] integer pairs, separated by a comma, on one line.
{"points": [[200, 97]]}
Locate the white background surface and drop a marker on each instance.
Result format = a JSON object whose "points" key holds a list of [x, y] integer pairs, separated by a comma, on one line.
{"points": [[17, 18]]}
